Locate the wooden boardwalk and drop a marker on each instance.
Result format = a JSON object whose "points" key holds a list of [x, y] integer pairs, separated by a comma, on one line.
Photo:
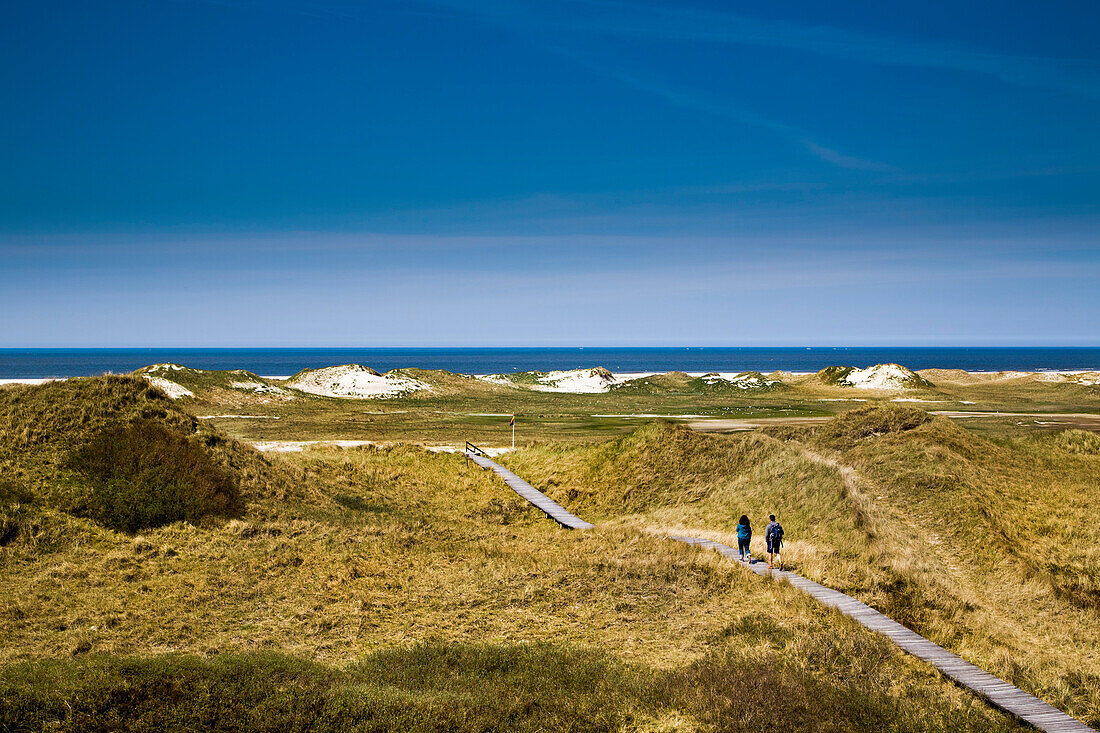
{"points": [[1011, 699], [1025, 706], [553, 509]]}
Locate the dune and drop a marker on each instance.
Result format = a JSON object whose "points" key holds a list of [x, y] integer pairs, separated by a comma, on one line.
{"points": [[354, 381]]}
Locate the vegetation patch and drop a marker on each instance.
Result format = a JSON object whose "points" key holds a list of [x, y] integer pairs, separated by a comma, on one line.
{"points": [[1079, 442], [117, 450], [435, 686], [834, 375], [670, 383], [867, 422], [426, 687], [142, 475]]}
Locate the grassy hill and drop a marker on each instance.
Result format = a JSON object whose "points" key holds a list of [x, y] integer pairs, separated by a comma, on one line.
{"points": [[120, 452], [988, 547], [384, 589], [881, 376]]}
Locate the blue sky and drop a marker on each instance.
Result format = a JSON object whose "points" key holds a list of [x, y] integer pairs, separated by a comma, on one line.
{"points": [[585, 172]]}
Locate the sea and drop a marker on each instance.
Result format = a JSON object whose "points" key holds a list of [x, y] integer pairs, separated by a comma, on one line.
{"points": [[42, 363]]}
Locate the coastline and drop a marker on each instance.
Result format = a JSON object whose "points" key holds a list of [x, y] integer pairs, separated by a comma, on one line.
{"points": [[623, 376]]}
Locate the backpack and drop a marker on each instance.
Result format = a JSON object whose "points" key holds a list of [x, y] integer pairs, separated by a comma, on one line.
{"points": [[777, 533]]}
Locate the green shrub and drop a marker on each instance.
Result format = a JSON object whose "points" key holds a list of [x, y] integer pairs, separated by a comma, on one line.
{"points": [[143, 474]]}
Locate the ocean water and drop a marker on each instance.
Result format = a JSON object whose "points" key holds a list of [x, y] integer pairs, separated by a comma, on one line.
{"points": [[28, 363]]}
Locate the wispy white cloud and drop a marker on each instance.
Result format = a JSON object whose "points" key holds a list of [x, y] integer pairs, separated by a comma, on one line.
{"points": [[710, 104]]}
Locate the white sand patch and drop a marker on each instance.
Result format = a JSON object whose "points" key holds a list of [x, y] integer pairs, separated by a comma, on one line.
{"points": [[1013, 375], [1083, 377], [496, 379], [281, 446], [260, 388], [1088, 379], [576, 381], [240, 417], [492, 452], [296, 446], [967, 402], [173, 390], [554, 383], [914, 399], [32, 380], [582, 381], [649, 414], [165, 368], [355, 382], [627, 376], [880, 376]]}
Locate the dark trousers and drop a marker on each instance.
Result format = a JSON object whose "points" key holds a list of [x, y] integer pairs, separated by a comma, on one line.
{"points": [[743, 545]]}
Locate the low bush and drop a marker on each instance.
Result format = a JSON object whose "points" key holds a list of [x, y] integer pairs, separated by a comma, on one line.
{"points": [[143, 475]]}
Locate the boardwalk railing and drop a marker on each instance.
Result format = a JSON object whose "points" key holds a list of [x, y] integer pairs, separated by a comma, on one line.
{"points": [[470, 449], [1011, 699]]}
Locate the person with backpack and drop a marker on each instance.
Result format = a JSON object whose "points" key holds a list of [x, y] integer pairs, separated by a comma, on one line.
{"points": [[773, 537], [744, 536]]}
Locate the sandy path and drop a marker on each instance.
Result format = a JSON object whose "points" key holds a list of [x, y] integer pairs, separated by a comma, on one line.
{"points": [[1060, 420], [732, 425]]}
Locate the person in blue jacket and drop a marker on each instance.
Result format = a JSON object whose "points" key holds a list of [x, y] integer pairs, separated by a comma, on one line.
{"points": [[744, 536]]}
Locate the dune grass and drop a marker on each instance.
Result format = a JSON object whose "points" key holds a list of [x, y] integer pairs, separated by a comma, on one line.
{"points": [[987, 547], [401, 589]]}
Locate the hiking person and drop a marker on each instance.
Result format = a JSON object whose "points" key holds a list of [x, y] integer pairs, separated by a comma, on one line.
{"points": [[773, 537], [744, 536]]}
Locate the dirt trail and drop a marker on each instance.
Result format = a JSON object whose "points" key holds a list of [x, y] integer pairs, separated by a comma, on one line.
{"points": [[863, 504]]}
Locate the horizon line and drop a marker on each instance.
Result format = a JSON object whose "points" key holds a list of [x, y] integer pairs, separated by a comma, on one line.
{"points": [[559, 346]]}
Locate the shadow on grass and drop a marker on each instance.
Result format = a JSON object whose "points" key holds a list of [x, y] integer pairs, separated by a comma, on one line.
{"points": [[435, 686]]}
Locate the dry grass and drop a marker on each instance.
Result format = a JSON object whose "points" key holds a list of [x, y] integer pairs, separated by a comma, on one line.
{"points": [[368, 560], [989, 548]]}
